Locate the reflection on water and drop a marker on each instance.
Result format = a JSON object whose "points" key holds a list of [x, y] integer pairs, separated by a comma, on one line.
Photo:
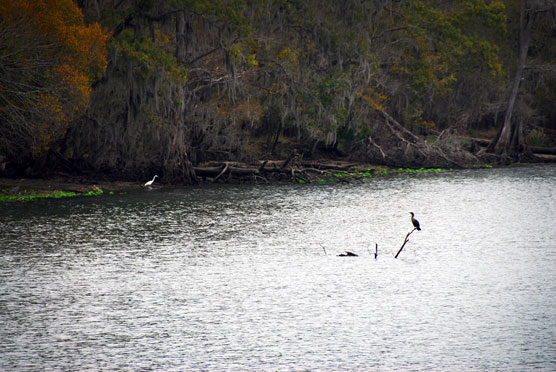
{"points": [[235, 277]]}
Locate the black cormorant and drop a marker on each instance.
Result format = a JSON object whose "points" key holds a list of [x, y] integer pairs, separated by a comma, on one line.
{"points": [[415, 222]]}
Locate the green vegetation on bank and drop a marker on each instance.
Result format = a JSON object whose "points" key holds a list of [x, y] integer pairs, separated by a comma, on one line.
{"points": [[420, 170], [370, 173], [483, 166], [29, 196]]}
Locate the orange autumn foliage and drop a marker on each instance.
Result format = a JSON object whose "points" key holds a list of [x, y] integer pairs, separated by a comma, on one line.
{"points": [[48, 61]]}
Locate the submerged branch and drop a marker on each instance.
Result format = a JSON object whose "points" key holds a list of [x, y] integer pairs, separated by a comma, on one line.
{"points": [[405, 242]]}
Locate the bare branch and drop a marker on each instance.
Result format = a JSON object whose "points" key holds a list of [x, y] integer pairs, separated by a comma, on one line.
{"points": [[405, 242]]}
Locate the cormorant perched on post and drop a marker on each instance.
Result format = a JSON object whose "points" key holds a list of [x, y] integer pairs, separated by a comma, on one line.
{"points": [[415, 222]]}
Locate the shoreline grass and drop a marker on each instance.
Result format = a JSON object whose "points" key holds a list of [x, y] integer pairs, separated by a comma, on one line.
{"points": [[31, 196]]}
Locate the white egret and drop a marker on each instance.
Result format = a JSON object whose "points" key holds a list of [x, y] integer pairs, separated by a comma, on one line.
{"points": [[148, 183]]}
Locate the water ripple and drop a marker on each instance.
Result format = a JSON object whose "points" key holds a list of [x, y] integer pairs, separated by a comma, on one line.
{"points": [[235, 278]]}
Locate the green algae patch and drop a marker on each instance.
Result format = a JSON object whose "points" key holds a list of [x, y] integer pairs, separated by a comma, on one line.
{"points": [[362, 175], [5, 196], [324, 176], [420, 170]]}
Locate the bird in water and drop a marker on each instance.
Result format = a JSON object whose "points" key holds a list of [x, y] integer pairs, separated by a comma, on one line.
{"points": [[348, 254], [415, 222], [148, 183]]}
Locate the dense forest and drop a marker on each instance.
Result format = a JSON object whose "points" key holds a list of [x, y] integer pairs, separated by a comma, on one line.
{"points": [[130, 88]]}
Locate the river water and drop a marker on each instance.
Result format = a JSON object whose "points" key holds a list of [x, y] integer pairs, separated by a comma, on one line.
{"points": [[235, 278]]}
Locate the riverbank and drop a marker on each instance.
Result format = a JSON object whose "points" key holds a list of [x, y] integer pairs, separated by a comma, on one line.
{"points": [[211, 172], [286, 171], [289, 170], [22, 189]]}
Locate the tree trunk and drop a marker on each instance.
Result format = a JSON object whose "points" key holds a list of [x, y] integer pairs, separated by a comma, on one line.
{"points": [[509, 138], [283, 115], [183, 32], [276, 138]]}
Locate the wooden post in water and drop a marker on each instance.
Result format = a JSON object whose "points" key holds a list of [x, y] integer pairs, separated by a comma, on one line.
{"points": [[404, 242]]}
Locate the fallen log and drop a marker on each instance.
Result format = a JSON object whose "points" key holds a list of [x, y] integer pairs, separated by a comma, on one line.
{"points": [[207, 171], [481, 141], [318, 166], [221, 173], [239, 171], [543, 150], [534, 149], [221, 170], [304, 172]]}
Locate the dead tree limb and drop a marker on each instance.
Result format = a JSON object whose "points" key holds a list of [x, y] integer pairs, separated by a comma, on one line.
{"points": [[288, 160], [207, 171], [221, 173], [399, 128], [261, 168], [374, 144], [376, 251], [242, 171], [405, 242], [320, 167]]}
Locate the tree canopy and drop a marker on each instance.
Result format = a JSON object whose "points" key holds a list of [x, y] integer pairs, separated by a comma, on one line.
{"points": [[195, 80], [48, 61]]}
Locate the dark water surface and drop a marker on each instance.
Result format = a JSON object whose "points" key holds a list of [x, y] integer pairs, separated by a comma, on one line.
{"points": [[234, 278]]}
